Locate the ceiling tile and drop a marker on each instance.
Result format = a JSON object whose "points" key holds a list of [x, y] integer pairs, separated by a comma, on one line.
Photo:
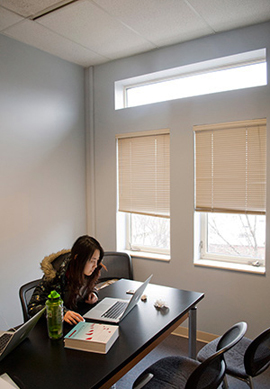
{"points": [[161, 22], [81, 22], [89, 32], [8, 18], [28, 8], [229, 14], [38, 36]]}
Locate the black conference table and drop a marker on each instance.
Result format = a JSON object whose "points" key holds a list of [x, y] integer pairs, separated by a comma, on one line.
{"points": [[41, 363]]}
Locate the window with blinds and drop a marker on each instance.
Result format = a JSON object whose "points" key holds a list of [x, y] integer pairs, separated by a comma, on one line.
{"points": [[230, 191], [144, 173], [144, 189], [231, 167]]}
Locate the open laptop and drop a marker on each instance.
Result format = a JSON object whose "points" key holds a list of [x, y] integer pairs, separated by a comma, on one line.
{"points": [[113, 310], [11, 339]]}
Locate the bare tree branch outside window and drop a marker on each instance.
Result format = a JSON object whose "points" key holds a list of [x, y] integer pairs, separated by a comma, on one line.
{"points": [[236, 234]]}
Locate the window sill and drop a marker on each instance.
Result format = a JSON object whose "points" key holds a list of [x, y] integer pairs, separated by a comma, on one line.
{"points": [[230, 266], [146, 255]]}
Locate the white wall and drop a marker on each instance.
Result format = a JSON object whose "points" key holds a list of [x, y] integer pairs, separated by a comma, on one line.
{"points": [[229, 296], [42, 154]]}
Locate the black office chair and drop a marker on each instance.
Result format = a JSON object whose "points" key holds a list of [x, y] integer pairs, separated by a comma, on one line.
{"points": [[246, 360], [25, 294], [118, 264], [186, 373]]}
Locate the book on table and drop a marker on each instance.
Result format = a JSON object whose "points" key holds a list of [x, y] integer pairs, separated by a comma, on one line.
{"points": [[93, 337]]}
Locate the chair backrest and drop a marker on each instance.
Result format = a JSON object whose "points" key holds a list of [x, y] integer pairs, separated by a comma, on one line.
{"points": [[210, 373], [232, 336], [257, 355], [118, 264], [25, 294]]}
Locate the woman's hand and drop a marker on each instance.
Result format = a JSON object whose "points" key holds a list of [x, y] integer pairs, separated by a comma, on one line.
{"points": [[92, 298], [72, 317]]}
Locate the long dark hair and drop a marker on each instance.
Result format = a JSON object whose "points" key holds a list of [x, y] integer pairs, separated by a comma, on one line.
{"points": [[82, 250]]}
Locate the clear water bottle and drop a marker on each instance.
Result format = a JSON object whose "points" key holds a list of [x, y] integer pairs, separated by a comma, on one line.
{"points": [[54, 313]]}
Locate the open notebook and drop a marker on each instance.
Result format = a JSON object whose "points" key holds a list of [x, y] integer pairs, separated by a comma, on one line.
{"points": [[11, 339], [114, 310]]}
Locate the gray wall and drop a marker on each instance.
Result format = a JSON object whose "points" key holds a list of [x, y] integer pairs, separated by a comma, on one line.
{"points": [[42, 176], [229, 296]]}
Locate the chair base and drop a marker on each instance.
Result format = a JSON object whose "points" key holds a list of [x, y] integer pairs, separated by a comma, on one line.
{"points": [[248, 380]]}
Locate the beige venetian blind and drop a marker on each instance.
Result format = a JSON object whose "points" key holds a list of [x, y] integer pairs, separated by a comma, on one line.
{"points": [[144, 173], [230, 167]]}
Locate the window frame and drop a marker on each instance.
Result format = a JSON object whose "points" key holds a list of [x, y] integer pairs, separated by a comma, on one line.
{"points": [[140, 248], [205, 255]]}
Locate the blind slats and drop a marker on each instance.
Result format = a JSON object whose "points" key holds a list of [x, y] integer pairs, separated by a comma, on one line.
{"points": [[144, 175], [230, 167]]}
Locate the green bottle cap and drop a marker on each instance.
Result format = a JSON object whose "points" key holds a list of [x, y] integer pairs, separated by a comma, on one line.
{"points": [[54, 295]]}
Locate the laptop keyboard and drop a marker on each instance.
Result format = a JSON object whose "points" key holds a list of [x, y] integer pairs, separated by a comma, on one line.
{"points": [[4, 339], [115, 310]]}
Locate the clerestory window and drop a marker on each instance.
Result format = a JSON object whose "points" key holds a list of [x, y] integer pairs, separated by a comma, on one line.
{"points": [[233, 72]]}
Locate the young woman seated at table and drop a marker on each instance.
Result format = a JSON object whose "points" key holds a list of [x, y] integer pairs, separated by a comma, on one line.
{"points": [[73, 274]]}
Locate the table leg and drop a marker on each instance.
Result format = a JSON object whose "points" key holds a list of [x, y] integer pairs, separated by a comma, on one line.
{"points": [[192, 329]]}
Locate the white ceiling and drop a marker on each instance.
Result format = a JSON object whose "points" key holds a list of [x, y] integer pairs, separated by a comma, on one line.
{"points": [[91, 32]]}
